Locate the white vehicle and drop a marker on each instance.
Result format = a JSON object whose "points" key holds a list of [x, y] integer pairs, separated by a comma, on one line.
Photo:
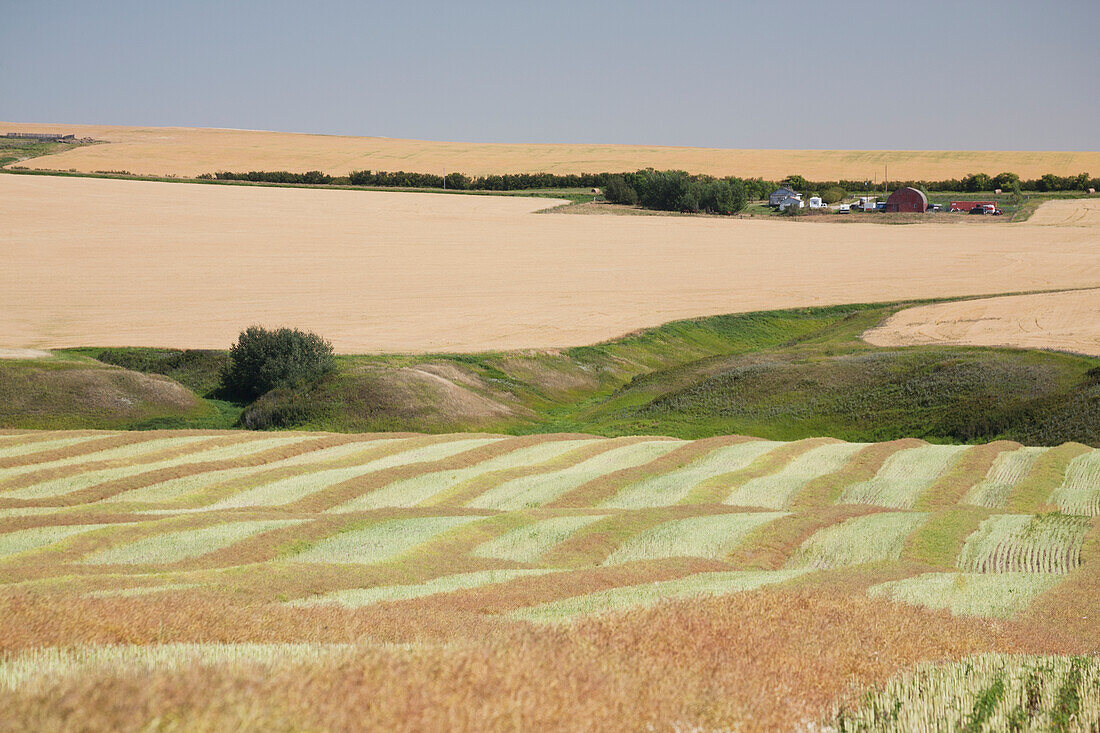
{"points": [[817, 203], [844, 209], [867, 203]]}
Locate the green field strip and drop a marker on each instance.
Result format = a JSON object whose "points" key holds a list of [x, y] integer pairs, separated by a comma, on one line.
{"points": [[990, 692], [972, 466], [904, 476], [142, 590], [872, 538], [527, 544], [939, 541], [671, 487], [344, 492], [1032, 495], [291, 489], [132, 456], [539, 489], [357, 597], [35, 538], [470, 489], [48, 665], [770, 546], [1080, 492], [776, 490], [1006, 473], [55, 448], [863, 466], [1004, 543], [991, 595], [720, 488], [610, 485], [421, 489], [170, 547], [125, 462], [381, 541], [712, 537], [701, 584], [175, 484]]}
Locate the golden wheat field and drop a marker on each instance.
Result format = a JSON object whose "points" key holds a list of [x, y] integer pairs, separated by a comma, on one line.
{"points": [[1066, 321], [180, 580], [184, 151], [126, 263]]}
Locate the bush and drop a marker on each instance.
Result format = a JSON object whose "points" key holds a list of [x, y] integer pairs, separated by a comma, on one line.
{"points": [[833, 195], [618, 191], [264, 360]]}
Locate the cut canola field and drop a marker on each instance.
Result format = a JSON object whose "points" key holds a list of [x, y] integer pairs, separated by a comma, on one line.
{"points": [[177, 488], [120, 453], [39, 446], [410, 492], [708, 584], [1080, 493], [529, 543], [1009, 469], [713, 537], [775, 491], [1048, 543], [872, 538], [183, 545], [87, 479], [903, 476], [49, 664], [23, 540], [285, 491], [539, 489], [991, 595], [668, 488], [990, 692], [380, 542], [356, 597]]}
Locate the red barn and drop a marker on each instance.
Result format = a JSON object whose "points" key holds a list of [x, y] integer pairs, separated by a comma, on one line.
{"points": [[907, 199]]}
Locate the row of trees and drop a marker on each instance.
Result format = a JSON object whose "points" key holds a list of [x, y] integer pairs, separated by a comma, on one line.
{"points": [[704, 190]]}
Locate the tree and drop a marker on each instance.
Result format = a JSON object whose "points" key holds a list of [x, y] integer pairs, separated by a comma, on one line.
{"points": [[618, 191], [977, 182], [263, 360], [833, 194], [798, 183], [1005, 181]]}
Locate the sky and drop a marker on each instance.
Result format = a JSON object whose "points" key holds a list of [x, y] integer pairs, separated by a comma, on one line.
{"points": [[1006, 75]]}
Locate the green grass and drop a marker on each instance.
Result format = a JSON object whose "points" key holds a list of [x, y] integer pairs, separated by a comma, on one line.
{"points": [[379, 542], [358, 597], [25, 540], [903, 476], [711, 537], [779, 375], [528, 543]]}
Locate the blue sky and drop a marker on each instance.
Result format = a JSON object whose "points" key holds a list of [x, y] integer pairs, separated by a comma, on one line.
{"points": [[893, 75]]}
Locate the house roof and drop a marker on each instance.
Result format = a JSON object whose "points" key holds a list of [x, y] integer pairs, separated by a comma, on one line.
{"points": [[786, 190]]}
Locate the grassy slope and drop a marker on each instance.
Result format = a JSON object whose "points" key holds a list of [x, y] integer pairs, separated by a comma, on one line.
{"points": [[781, 375]]}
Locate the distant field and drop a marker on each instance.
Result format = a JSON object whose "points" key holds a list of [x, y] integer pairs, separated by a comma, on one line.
{"points": [[190, 151], [204, 559], [1067, 321], [189, 266]]}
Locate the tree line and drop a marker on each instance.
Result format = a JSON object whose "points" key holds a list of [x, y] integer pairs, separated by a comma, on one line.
{"points": [[663, 190]]}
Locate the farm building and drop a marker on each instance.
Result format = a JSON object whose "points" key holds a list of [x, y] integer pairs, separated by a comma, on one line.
{"points": [[908, 200], [789, 202], [777, 196]]}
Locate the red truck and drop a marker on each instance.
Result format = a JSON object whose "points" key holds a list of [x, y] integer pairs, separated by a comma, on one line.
{"points": [[987, 207]]}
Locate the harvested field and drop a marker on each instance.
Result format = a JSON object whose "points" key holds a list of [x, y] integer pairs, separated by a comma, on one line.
{"points": [[1080, 494], [187, 151], [381, 271], [1068, 321], [904, 476], [427, 600], [1008, 470]]}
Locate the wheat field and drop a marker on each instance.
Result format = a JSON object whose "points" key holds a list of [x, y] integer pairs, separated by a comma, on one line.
{"points": [[185, 151], [178, 570], [387, 271]]}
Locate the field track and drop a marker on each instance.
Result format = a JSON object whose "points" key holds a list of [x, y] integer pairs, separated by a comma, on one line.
{"points": [[191, 151], [178, 265], [385, 579], [1068, 321]]}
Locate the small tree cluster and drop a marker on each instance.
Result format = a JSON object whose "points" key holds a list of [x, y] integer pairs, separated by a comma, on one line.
{"points": [[263, 360]]}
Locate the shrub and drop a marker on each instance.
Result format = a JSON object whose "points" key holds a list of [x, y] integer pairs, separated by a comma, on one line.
{"points": [[264, 360], [833, 194], [618, 191]]}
